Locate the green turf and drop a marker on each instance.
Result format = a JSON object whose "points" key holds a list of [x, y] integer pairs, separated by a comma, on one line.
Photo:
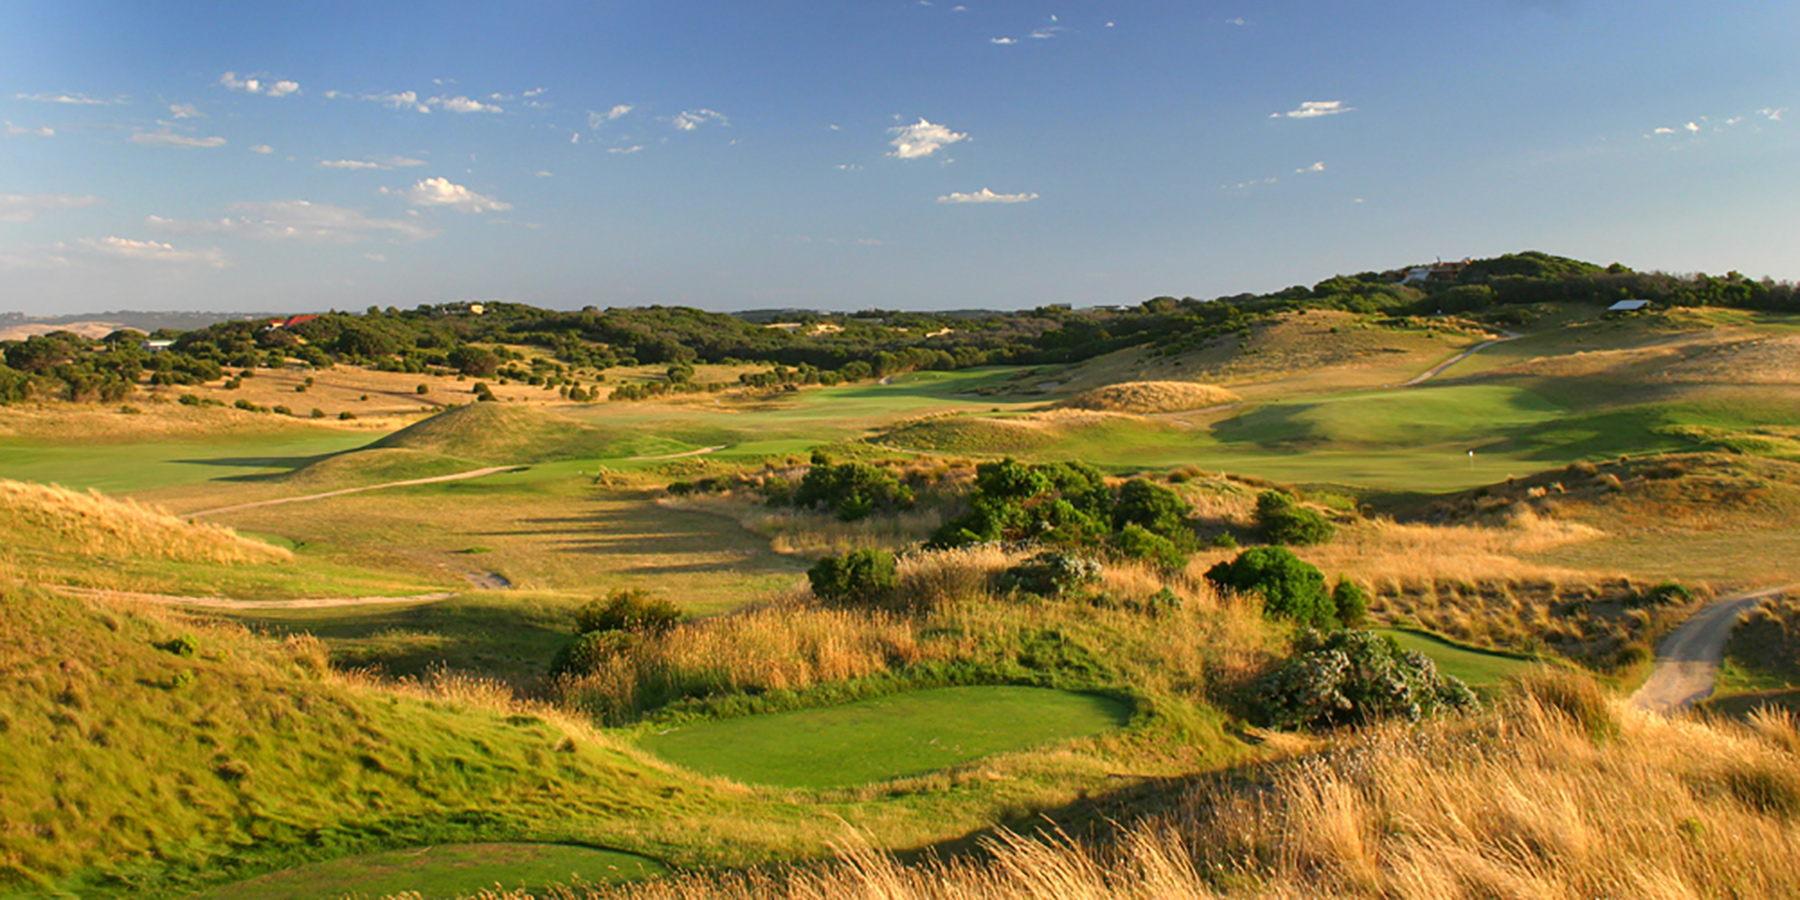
{"points": [[887, 737], [1475, 667], [115, 468], [447, 871]]}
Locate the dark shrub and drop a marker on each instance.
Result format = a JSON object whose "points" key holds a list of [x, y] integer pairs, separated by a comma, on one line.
{"points": [[1290, 587], [586, 652], [1283, 521], [1155, 509], [852, 490], [1352, 604], [181, 645], [1353, 677], [1050, 574], [471, 360], [1137, 542], [627, 610], [1665, 593], [861, 577]]}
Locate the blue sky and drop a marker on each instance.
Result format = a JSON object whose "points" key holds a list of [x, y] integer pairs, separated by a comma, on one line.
{"points": [[894, 153]]}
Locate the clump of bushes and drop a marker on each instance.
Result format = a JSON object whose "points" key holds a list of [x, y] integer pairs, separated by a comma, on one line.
{"points": [[851, 490], [1352, 678], [1283, 521], [860, 578], [1051, 574], [610, 625], [1071, 505], [1291, 588], [181, 645]]}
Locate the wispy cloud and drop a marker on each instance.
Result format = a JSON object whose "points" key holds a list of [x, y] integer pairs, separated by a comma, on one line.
{"points": [[118, 248], [23, 207], [442, 192], [463, 105], [986, 196], [1312, 109], [921, 139], [167, 138], [597, 119], [1003, 41], [298, 221], [690, 119], [76, 99], [1315, 167], [21, 131], [231, 82], [262, 148], [624, 150], [383, 163], [543, 173]]}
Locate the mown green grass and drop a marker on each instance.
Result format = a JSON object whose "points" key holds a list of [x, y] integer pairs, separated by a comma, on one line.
{"points": [[122, 467], [887, 737], [1477, 669], [445, 872]]}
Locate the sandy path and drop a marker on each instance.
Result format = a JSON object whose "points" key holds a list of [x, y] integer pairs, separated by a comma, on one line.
{"points": [[459, 476], [700, 452], [251, 605], [1687, 663], [1421, 379]]}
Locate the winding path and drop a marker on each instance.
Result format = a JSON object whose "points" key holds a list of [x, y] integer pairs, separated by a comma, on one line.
{"points": [[1687, 663], [1439, 370], [459, 476]]}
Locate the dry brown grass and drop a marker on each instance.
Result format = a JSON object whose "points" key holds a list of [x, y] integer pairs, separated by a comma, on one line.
{"points": [[796, 532], [1150, 397], [1527, 801], [90, 524]]}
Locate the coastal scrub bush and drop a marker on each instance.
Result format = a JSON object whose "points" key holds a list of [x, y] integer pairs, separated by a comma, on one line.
{"points": [[861, 577], [1137, 542], [627, 610], [852, 490], [1051, 574], [1284, 521], [1351, 602], [1291, 588], [1352, 678]]}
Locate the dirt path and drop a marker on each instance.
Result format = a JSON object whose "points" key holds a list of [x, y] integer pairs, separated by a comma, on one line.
{"points": [[250, 605], [1687, 663], [700, 452], [459, 476], [1421, 379]]}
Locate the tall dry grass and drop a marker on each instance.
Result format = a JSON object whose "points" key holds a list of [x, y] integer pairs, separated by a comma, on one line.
{"points": [[91, 524], [1525, 801], [807, 533], [1149, 397]]}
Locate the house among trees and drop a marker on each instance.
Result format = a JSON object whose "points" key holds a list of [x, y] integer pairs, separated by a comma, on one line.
{"points": [[1439, 271], [1629, 306], [291, 321]]}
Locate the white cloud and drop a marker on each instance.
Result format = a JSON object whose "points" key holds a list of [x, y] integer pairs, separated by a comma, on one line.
{"points": [[296, 220], [1003, 40], [384, 163], [1663, 131], [185, 111], [262, 148], [574, 137], [463, 105], [597, 119], [1774, 113], [1315, 167], [543, 173], [986, 196], [442, 192], [375, 257], [167, 138], [258, 86], [22, 207], [1312, 109], [21, 131], [849, 167], [921, 139], [535, 92], [1047, 32], [397, 100], [149, 251], [690, 119], [76, 99], [1691, 127], [1236, 21], [624, 150]]}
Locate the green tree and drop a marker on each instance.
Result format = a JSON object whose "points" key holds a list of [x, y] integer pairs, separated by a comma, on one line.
{"points": [[861, 577], [1283, 521], [1154, 508], [1291, 588]]}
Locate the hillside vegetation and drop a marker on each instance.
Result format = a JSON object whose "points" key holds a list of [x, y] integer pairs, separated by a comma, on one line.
{"points": [[49, 518]]}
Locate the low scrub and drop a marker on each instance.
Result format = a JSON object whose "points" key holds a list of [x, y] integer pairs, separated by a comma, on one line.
{"points": [[1354, 678]]}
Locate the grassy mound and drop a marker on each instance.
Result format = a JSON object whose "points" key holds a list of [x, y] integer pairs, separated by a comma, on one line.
{"points": [[1066, 432], [36, 517], [144, 753], [376, 465], [1148, 397], [499, 433], [887, 737]]}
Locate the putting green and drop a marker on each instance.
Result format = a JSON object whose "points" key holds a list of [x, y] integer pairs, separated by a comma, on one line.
{"points": [[887, 737], [1476, 668], [450, 870]]}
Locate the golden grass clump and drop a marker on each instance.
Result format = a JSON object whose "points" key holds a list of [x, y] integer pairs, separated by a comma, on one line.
{"points": [[58, 520], [1521, 801], [1150, 397]]}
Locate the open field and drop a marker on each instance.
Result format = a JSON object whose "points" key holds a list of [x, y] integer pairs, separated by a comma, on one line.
{"points": [[885, 738]]}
